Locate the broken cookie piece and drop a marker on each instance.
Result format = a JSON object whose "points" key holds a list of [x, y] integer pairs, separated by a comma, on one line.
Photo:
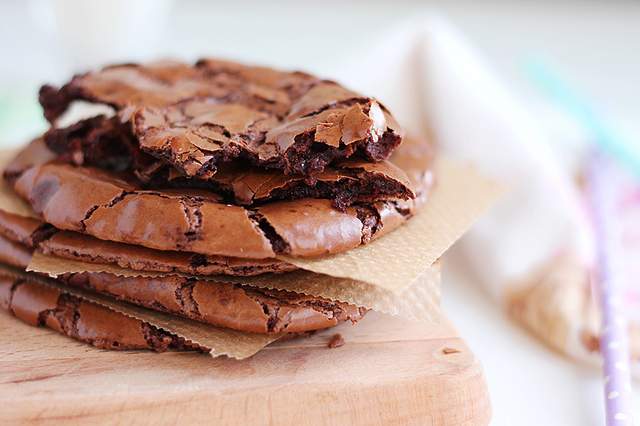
{"points": [[194, 117], [105, 144], [336, 341]]}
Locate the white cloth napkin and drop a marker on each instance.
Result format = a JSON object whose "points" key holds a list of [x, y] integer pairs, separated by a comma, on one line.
{"points": [[534, 249]]}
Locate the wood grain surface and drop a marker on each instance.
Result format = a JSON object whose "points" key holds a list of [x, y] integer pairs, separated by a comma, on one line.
{"points": [[390, 371]]}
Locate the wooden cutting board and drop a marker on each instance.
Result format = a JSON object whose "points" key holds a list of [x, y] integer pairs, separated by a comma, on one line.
{"points": [[390, 371]]}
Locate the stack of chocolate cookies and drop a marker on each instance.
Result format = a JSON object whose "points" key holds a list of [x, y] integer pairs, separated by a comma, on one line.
{"points": [[212, 169]]}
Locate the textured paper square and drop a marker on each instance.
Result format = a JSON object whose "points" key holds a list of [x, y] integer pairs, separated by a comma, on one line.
{"points": [[395, 260]]}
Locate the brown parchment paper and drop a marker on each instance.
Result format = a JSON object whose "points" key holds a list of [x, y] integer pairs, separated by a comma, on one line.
{"points": [[221, 341], [395, 260], [420, 300]]}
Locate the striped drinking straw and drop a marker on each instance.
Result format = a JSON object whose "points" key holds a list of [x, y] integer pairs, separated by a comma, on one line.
{"points": [[614, 335]]}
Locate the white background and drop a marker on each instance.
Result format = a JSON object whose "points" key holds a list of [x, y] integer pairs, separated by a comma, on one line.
{"points": [[597, 43]]}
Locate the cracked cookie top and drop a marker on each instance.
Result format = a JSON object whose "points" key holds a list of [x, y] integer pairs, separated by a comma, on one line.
{"points": [[195, 117], [104, 143]]}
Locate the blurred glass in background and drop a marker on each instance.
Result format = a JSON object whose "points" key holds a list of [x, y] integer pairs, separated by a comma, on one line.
{"points": [[48, 41]]}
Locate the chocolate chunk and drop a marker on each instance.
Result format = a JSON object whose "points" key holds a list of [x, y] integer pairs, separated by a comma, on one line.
{"points": [[196, 117]]}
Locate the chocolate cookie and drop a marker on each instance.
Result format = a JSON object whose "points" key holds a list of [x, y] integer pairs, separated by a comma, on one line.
{"points": [[40, 305], [76, 246], [194, 117], [101, 142], [34, 233], [99, 203], [224, 304]]}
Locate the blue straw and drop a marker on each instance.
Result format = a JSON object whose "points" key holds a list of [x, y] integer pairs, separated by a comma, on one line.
{"points": [[605, 135]]}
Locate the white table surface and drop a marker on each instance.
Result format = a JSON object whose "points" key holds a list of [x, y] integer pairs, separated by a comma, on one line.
{"points": [[598, 42]]}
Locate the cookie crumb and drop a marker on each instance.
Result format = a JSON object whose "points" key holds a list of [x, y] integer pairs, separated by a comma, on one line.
{"points": [[448, 351], [336, 341]]}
